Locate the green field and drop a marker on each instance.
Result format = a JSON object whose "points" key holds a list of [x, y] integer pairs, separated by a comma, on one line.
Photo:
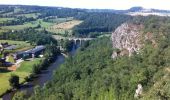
{"points": [[27, 25], [4, 77], [19, 44], [20, 27], [55, 25], [23, 71], [34, 15], [5, 19], [64, 28], [27, 66], [59, 20]]}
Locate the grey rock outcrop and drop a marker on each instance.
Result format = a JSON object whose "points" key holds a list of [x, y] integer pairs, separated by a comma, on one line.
{"points": [[126, 38], [138, 91]]}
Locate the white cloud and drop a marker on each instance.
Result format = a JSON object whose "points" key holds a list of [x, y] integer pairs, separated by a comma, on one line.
{"points": [[102, 4]]}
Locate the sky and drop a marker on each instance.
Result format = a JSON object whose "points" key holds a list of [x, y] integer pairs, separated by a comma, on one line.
{"points": [[95, 4]]}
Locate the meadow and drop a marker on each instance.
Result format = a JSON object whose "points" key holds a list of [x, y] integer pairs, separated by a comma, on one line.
{"points": [[64, 28], [60, 26], [5, 19], [20, 45], [23, 71], [34, 15]]}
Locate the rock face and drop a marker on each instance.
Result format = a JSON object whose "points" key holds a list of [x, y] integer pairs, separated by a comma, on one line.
{"points": [[126, 39], [138, 91]]}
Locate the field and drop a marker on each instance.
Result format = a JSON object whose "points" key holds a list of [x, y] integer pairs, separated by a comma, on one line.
{"points": [[4, 77], [5, 19], [58, 26], [59, 20], [34, 15], [65, 27], [21, 45], [23, 71], [20, 27], [27, 25], [27, 66]]}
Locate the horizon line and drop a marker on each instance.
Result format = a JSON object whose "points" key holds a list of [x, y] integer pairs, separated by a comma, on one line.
{"points": [[78, 7]]}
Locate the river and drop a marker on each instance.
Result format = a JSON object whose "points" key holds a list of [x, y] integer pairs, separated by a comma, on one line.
{"points": [[45, 76]]}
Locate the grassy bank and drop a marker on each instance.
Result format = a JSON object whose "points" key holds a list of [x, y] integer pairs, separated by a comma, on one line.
{"points": [[23, 71]]}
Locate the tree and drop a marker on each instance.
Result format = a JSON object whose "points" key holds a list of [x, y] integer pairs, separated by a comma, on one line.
{"points": [[14, 81], [36, 69]]}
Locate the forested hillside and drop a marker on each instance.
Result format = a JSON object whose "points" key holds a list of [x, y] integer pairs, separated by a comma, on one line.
{"points": [[93, 75], [16, 17], [99, 22], [30, 35]]}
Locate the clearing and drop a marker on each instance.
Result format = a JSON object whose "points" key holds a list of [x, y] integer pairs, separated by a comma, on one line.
{"points": [[65, 27]]}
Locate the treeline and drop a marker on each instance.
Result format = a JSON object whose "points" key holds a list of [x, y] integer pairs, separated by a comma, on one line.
{"points": [[17, 21], [60, 12], [31, 35], [51, 53], [99, 22]]}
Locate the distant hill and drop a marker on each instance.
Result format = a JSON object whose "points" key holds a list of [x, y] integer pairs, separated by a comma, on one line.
{"points": [[134, 11], [145, 12]]}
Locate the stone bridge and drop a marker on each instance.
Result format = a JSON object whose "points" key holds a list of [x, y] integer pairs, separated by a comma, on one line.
{"points": [[76, 40]]}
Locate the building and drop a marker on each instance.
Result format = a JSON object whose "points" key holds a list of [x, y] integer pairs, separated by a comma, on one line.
{"points": [[35, 52]]}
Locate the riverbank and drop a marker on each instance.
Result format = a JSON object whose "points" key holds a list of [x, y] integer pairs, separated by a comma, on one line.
{"points": [[23, 71], [40, 80], [44, 76]]}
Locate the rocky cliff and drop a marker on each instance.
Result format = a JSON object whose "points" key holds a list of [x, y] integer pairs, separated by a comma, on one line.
{"points": [[126, 39]]}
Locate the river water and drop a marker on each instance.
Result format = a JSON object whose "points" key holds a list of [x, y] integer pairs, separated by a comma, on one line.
{"points": [[45, 76]]}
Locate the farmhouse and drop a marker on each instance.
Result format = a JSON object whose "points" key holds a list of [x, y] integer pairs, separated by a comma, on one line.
{"points": [[11, 47], [2, 61], [35, 52]]}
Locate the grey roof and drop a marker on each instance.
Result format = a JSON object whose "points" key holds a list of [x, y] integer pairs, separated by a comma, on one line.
{"points": [[34, 50], [10, 47]]}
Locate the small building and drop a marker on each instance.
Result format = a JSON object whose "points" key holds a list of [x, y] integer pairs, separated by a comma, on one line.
{"points": [[11, 47], [2, 62], [35, 52]]}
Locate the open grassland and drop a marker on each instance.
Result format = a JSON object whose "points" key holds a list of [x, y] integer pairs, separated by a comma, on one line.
{"points": [[44, 24], [67, 25], [64, 28], [34, 15], [58, 25], [15, 42], [23, 71], [27, 66], [28, 25], [59, 20], [20, 27], [5, 19], [4, 77], [2, 30], [21, 45]]}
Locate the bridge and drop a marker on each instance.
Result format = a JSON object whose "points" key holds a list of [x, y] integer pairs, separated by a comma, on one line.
{"points": [[80, 40]]}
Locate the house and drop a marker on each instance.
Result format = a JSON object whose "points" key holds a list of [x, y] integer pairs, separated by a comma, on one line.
{"points": [[2, 61], [4, 45], [31, 53], [11, 47]]}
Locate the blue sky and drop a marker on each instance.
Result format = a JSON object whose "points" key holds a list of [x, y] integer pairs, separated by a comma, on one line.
{"points": [[101, 4]]}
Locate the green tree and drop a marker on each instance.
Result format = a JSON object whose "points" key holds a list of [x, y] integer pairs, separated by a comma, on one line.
{"points": [[14, 81]]}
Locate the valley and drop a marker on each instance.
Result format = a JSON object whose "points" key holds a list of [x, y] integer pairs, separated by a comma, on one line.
{"points": [[58, 53]]}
